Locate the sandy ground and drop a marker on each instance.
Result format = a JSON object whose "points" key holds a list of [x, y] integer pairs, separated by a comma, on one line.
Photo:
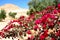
{"points": [[2, 25]]}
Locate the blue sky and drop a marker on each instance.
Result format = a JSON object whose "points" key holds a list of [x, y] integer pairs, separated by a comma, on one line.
{"points": [[20, 3]]}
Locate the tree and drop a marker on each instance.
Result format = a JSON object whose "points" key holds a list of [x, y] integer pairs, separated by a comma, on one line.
{"points": [[12, 14], [33, 6], [2, 15], [38, 5]]}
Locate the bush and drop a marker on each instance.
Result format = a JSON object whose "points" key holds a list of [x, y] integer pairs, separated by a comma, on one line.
{"points": [[2, 15], [12, 14]]}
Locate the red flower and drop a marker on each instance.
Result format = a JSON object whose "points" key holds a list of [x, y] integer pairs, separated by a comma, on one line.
{"points": [[52, 38], [35, 27], [22, 17], [51, 24], [44, 26], [21, 24], [8, 27], [42, 37], [58, 23], [59, 5], [32, 16], [13, 21], [48, 15], [28, 32], [32, 37], [55, 11], [44, 18], [59, 10], [49, 7], [45, 33], [58, 33], [44, 12], [26, 25], [2, 34], [27, 20], [52, 16], [37, 21]]}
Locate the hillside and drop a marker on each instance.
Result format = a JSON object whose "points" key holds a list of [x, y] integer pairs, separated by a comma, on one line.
{"points": [[11, 8]]}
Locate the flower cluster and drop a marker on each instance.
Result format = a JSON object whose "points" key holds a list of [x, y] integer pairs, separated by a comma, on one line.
{"points": [[41, 25]]}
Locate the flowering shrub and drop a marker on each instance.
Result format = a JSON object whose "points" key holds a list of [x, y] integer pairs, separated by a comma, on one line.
{"points": [[41, 25]]}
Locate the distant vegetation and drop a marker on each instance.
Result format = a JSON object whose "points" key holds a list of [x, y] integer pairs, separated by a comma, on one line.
{"points": [[39, 5], [2, 15], [12, 14]]}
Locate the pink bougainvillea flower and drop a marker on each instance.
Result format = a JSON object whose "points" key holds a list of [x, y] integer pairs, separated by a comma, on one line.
{"points": [[45, 33], [8, 27], [58, 33], [45, 17], [48, 15], [32, 16], [2, 34], [27, 20], [32, 37], [59, 10], [44, 12], [49, 7], [51, 24], [13, 21], [44, 26], [42, 37], [37, 21], [35, 27], [55, 11], [42, 20], [53, 16], [59, 6], [53, 39], [22, 17], [28, 32], [21, 24], [58, 23], [25, 25]]}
